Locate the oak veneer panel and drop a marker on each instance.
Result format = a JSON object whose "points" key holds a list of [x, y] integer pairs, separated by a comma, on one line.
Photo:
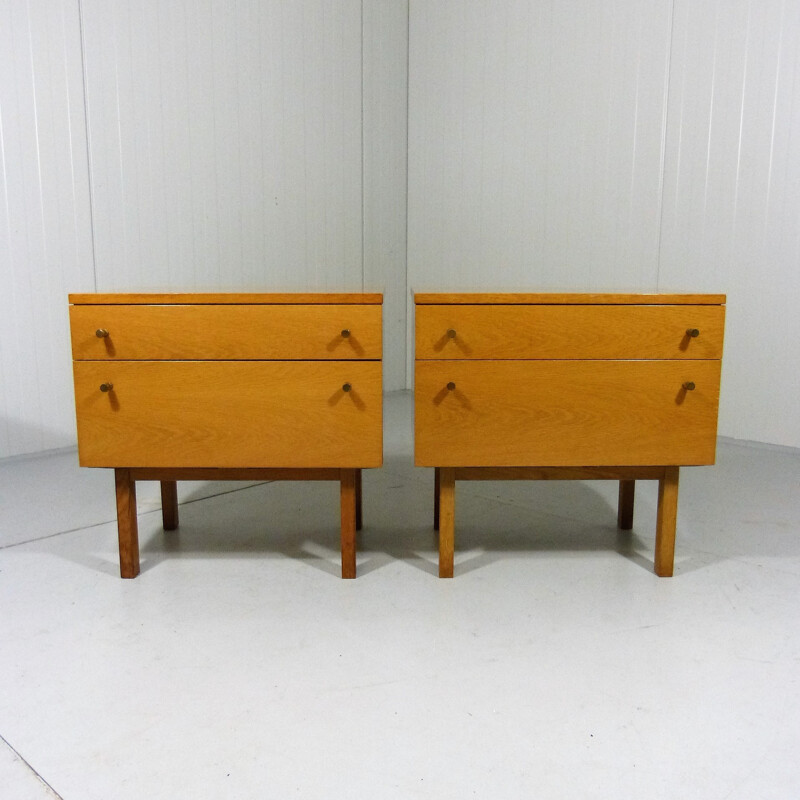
{"points": [[582, 473], [565, 413], [568, 331], [226, 297], [229, 414], [515, 298], [226, 332], [235, 474]]}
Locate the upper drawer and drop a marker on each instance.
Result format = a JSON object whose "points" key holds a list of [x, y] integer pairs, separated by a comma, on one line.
{"points": [[226, 332], [569, 331]]}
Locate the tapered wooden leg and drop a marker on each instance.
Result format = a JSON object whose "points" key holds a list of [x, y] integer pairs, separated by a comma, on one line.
{"points": [[666, 521], [447, 520], [126, 524], [359, 513], [627, 490], [436, 499], [169, 504], [348, 501]]}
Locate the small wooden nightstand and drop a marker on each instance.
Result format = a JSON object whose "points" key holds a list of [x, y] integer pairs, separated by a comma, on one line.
{"points": [[566, 386], [175, 387]]}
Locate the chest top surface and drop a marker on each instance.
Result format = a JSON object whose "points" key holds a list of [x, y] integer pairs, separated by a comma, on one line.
{"points": [[228, 298], [564, 298]]}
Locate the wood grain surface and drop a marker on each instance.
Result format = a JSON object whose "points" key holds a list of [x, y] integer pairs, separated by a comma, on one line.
{"points": [[562, 298], [569, 331], [666, 522], [229, 413], [447, 520], [226, 332], [565, 413], [349, 514], [289, 298]]}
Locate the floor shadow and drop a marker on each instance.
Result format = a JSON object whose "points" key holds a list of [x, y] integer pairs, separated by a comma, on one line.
{"points": [[300, 521]]}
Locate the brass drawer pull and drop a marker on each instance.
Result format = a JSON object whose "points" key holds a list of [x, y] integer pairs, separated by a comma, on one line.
{"points": [[346, 333], [347, 387], [101, 333], [689, 386], [106, 387], [451, 334], [451, 386], [693, 332]]}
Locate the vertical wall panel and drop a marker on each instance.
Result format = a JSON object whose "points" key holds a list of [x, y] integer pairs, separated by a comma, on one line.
{"points": [[732, 197], [225, 143], [535, 144], [385, 172], [535, 140], [45, 223], [634, 144]]}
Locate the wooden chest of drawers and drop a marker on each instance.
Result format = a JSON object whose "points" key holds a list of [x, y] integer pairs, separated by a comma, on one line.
{"points": [[566, 386], [239, 386]]}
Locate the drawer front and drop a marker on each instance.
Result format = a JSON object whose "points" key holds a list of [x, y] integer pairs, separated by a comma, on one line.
{"points": [[565, 413], [576, 331], [229, 414], [229, 332]]}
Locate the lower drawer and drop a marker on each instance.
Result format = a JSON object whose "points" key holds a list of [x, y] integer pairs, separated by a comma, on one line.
{"points": [[229, 414], [565, 413]]}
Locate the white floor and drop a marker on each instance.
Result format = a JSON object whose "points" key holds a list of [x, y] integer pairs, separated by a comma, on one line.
{"points": [[554, 665]]}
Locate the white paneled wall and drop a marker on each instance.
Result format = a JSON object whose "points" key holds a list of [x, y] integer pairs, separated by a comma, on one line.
{"points": [[225, 143], [633, 144], [535, 137], [266, 144], [732, 198], [45, 221], [212, 145], [385, 173]]}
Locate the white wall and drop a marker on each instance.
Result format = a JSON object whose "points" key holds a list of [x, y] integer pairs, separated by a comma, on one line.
{"points": [[731, 211], [627, 146], [225, 143], [535, 141], [243, 145], [45, 224], [385, 25], [636, 144]]}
